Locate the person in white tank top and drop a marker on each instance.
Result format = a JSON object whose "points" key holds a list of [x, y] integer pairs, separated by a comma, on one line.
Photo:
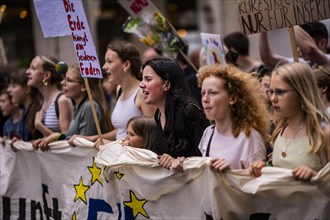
{"points": [[301, 136], [123, 68], [124, 110]]}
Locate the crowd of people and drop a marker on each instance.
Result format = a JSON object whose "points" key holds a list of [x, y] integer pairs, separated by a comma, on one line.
{"points": [[246, 114]]}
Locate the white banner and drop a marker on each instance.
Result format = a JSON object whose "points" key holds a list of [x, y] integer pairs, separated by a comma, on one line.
{"points": [[67, 183]]}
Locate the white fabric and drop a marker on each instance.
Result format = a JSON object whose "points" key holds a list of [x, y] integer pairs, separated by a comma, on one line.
{"points": [[133, 186], [239, 151]]}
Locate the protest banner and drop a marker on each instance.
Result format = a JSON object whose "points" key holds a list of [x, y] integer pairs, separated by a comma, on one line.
{"points": [[68, 183], [213, 48], [264, 15]]}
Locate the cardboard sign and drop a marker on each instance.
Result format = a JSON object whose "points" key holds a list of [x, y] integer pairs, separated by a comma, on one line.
{"points": [[264, 15], [213, 48]]}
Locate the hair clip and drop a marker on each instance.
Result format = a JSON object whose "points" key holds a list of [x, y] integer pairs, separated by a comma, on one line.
{"points": [[61, 68]]}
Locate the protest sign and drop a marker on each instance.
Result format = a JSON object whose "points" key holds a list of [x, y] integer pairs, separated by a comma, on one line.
{"points": [[265, 15], [213, 48], [52, 18]]}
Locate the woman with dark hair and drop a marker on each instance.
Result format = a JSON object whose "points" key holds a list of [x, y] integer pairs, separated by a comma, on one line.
{"points": [[180, 121], [55, 114]]}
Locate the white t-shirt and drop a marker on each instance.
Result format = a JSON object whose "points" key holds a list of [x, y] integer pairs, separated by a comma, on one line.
{"points": [[240, 152]]}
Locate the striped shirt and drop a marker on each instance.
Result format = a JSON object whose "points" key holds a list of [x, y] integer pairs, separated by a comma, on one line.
{"points": [[51, 120]]}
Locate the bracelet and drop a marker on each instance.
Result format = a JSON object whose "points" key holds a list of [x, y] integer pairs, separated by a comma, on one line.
{"points": [[57, 137]]}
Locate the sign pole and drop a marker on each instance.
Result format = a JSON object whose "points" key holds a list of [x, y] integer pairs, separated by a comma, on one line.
{"points": [[293, 44], [93, 110]]}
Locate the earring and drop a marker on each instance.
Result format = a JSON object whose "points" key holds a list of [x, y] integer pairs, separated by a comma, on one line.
{"points": [[302, 107], [232, 108], [125, 70], [45, 82]]}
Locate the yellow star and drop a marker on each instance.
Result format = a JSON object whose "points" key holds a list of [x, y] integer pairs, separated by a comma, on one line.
{"points": [[136, 205], [74, 216], [119, 175], [81, 190], [96, 173]]}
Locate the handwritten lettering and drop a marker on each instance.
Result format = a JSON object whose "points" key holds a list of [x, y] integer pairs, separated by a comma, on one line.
{"points": [[69, 7], [78, 38], [88, 71], [264, 15], [75, 24], [138, 5], [85, 57]]}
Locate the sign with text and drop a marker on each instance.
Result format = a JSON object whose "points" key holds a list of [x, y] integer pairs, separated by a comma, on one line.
{"points": [[213, 48], [82, 39], [264, 15], [138, 7]]}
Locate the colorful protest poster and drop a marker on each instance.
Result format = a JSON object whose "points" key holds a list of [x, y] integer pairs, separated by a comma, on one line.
{"points": [[265, 15], [213, 48], [52, 18]]}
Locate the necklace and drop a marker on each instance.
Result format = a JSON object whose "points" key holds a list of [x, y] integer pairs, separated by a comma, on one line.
{"points": [[284, 151]]}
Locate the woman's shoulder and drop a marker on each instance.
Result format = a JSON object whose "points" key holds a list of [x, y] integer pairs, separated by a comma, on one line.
{"points": [[191, 109]]}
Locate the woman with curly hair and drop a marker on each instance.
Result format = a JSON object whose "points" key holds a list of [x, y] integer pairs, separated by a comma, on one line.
{"points": [[231, 99], [302, 134], [180, 120]]}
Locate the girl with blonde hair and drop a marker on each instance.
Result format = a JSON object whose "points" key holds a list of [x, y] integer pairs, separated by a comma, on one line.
{"points": [[301, 136]]}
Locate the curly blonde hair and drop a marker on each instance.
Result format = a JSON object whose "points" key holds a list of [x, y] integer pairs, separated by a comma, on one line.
{"points": [[301, 78], [248, 111]]}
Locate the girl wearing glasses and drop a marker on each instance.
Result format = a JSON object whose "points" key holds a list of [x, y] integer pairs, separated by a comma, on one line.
{"points": [[55, 113], [82, 122], [301, 136]]}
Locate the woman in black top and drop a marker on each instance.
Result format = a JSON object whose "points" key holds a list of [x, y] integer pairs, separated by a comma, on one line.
{"points": [[180, 120]]}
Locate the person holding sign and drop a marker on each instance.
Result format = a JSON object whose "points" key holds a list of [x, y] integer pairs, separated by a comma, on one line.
{"points": [[302, 134], [230, 98], [312, 40], [180, 121], [82, 122], [55, 113]]}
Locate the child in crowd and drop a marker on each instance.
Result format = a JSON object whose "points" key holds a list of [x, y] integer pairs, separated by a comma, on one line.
{"points": [[82, 122], [29, 99], [14, 125], [141, 132], [302, 134], [231, 99]]}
